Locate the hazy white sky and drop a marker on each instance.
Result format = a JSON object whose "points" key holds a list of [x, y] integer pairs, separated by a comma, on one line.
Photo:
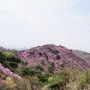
{"points": [[28, 23]]}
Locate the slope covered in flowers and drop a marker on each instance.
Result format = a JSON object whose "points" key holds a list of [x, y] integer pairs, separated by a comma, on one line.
{"points": [[4, 72], [47, 67], [51, 56]]}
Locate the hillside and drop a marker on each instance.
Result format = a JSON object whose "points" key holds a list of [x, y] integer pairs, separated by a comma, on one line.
{"points": [[51, 55], [41, 63], [83, 55]]}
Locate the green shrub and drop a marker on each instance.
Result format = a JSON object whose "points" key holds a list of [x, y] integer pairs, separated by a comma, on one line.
{"points": [[42, 78], [28, 72], [39, 68], [13, 65], [64, 75], [50, 79], [8, 54], [9, 60], [6, 64], [25, 72], [83, 79], [51, 69], [59, 81], [34, 83]]}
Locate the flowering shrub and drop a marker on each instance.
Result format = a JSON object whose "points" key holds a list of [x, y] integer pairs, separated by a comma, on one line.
{"points": [[6, 72]]}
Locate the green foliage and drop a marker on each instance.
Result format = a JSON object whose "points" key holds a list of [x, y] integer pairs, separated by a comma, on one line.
{"points": [[88, 75], [39, 68], [42, 78], [64, 75], [8, 54], [9, 60], [50, 79], [6, 64], [13, 64], [83, 79], [34, 83], [51, 69], [26, 72], [32, 72], [59, 81]]}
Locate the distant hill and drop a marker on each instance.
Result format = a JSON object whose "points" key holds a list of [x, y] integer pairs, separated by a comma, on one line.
{"points": [[83, 55]]}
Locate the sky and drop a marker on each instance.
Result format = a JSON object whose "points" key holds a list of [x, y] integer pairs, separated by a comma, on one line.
{"points": [[29, 23]]}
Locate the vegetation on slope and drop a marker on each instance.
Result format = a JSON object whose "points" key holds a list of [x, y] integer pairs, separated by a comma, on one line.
{"points": [[9, 60], [48, 67]]}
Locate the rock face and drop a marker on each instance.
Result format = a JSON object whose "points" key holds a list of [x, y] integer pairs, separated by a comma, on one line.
{"points": [[52, 56]]}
